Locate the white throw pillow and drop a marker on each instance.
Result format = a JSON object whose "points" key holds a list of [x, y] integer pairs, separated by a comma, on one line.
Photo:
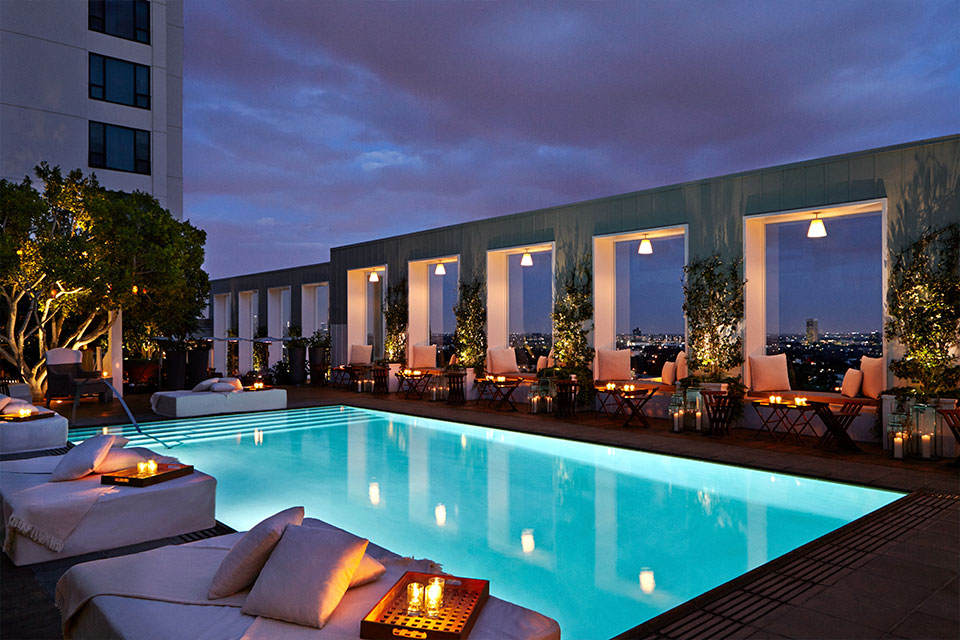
{"points": [[233, 381], [13, 406], [152, 455], [851, 383], [82, 459], [239, 568], [769, 373], [370, 569], [306, 576], [669, 373], [423, 357], [873, 378], [613, 364], [360, 354], [682, 370], [4, 400], [542, 363], [117, 459], [502, 361], [222, 387], [206, 384]]}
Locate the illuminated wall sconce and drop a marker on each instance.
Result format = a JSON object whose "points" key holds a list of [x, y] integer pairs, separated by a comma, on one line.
{"points": [[526, 260], [645, 247], [440, 270], [374, 277], [816, 229], [647, 583]]}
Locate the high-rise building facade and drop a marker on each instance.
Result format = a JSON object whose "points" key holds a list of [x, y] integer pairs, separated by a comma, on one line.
{"points": [[813, 330], [95, 85]]}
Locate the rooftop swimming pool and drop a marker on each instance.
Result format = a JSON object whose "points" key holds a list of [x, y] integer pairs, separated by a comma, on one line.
{"points": [[599, 538]]}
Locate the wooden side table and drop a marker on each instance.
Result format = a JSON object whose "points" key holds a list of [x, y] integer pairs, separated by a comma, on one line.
{"points": [[456, 380], [566, 398]]}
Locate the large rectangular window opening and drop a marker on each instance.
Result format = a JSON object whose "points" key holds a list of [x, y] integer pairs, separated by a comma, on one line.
{"points": [[649, 300], [128, 19], [824, 296], [530, 301], [119, 81], [119, 148], [444, 280]]}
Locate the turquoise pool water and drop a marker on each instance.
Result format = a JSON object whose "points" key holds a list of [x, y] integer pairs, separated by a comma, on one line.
{"points": [[598, 538]]}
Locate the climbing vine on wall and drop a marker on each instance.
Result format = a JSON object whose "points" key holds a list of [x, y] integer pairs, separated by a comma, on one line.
{"points": [[713, 305], [923, 302], [470, 336], [572, 322], [395, 315]]}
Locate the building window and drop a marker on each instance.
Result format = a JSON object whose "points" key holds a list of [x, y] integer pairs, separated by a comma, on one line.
{"points": [[129, 19], [119, 148], [443, 298], [530, 301], [119, 81]]}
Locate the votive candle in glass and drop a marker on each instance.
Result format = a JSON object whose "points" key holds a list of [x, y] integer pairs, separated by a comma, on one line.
{"points": [[925, 446], [151, 466], [434, 597], [414, 598], [898, 447]]}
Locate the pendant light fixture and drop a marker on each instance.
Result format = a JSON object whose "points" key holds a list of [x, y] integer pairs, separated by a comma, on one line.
{"points": [[374, 277], [645, 247], [526, 260], [816, 229], [440, 270]]}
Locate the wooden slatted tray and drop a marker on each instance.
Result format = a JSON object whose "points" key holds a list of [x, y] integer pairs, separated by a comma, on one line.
{"points": [[463, 598], [131, 478]]}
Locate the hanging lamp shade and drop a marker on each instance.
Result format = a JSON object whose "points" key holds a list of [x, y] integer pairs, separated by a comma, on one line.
{"points": [[816, 229], [374, 277], [526, 260], [440, 270], [645, 247]]}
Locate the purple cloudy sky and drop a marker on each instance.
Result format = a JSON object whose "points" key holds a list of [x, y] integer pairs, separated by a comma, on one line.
{"points": [[316, 124]]}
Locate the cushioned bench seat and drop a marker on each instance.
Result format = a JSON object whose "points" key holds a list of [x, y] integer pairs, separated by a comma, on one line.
{"points": [[33, 435], [188, 404]]}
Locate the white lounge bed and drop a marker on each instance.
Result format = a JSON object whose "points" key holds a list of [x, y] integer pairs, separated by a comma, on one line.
{"points": [[188, 404], [108, 516], [33, 435], [92, 608]]}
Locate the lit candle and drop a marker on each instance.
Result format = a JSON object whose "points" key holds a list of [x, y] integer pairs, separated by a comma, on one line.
{"points": [[773, 399], [898, 446], [151, 466], [676, 422], [434, 597], [104, 431], [699, 420], [24, 413], [414, 598], [925, 446], [141, 468]]}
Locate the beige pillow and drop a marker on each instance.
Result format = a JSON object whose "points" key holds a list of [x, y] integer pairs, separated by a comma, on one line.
{"points": [[423, 357], [613, 364], [13, 406], [873, 378], [542, 363], [851, 383], [306, 575], [206, 384], [360, 354], [119, 458], [4, 400], [239, 568], [502, 361], [82, 459], [669, 373], [235, 382], [149, 454], [769, 373], [222, 387], [369, 570], [682, 370]]}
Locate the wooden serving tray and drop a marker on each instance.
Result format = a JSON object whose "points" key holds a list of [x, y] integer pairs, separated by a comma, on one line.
{"points": [[32, 416], [130, 477], [463, 599]]}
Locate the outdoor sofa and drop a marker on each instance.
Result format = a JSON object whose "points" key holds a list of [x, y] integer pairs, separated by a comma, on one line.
{"points": [[165, 592], [49, 520], [216, 395]]}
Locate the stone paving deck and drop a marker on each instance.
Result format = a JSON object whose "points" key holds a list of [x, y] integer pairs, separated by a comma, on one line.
{"points": [[891, 574]]}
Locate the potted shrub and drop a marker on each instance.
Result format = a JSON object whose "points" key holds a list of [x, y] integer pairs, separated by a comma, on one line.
{"points": [[470, 335], [297, 356], [318, 349], [572, 320]]}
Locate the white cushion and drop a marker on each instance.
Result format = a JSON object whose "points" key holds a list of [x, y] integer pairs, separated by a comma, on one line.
{"points": [[206, 384], [13, 406], [82, 459], [233, 381], [306, 576], [502, 361], [4, 400], [851, 383], [682, 370], [669, 373], [149, 454], [360, 354], [221, 387], [542, 363], [873, 378], [613, 364], [769, 373], [117, 459], [64, 356], [240, 567], [423, 357], [369, 570]]}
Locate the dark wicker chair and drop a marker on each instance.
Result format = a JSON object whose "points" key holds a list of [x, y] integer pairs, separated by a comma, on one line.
{"points": [[66, 379]]}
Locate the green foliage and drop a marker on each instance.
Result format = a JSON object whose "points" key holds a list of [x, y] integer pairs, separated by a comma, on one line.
{"points": [[923, 303], [572, 321], [75, 252], [319, 339], [470, 336], [713, 305], [396, 317], [295, 333], [261, 350]]}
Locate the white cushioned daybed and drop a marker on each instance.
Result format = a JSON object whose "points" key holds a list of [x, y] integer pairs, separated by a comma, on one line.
{"points": [[164, 593], [216, 395], [30, 435], [48, 520]]}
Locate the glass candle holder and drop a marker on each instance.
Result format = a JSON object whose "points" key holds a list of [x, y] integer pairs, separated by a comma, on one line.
{"points": [[414, 599], [434, 597]]}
